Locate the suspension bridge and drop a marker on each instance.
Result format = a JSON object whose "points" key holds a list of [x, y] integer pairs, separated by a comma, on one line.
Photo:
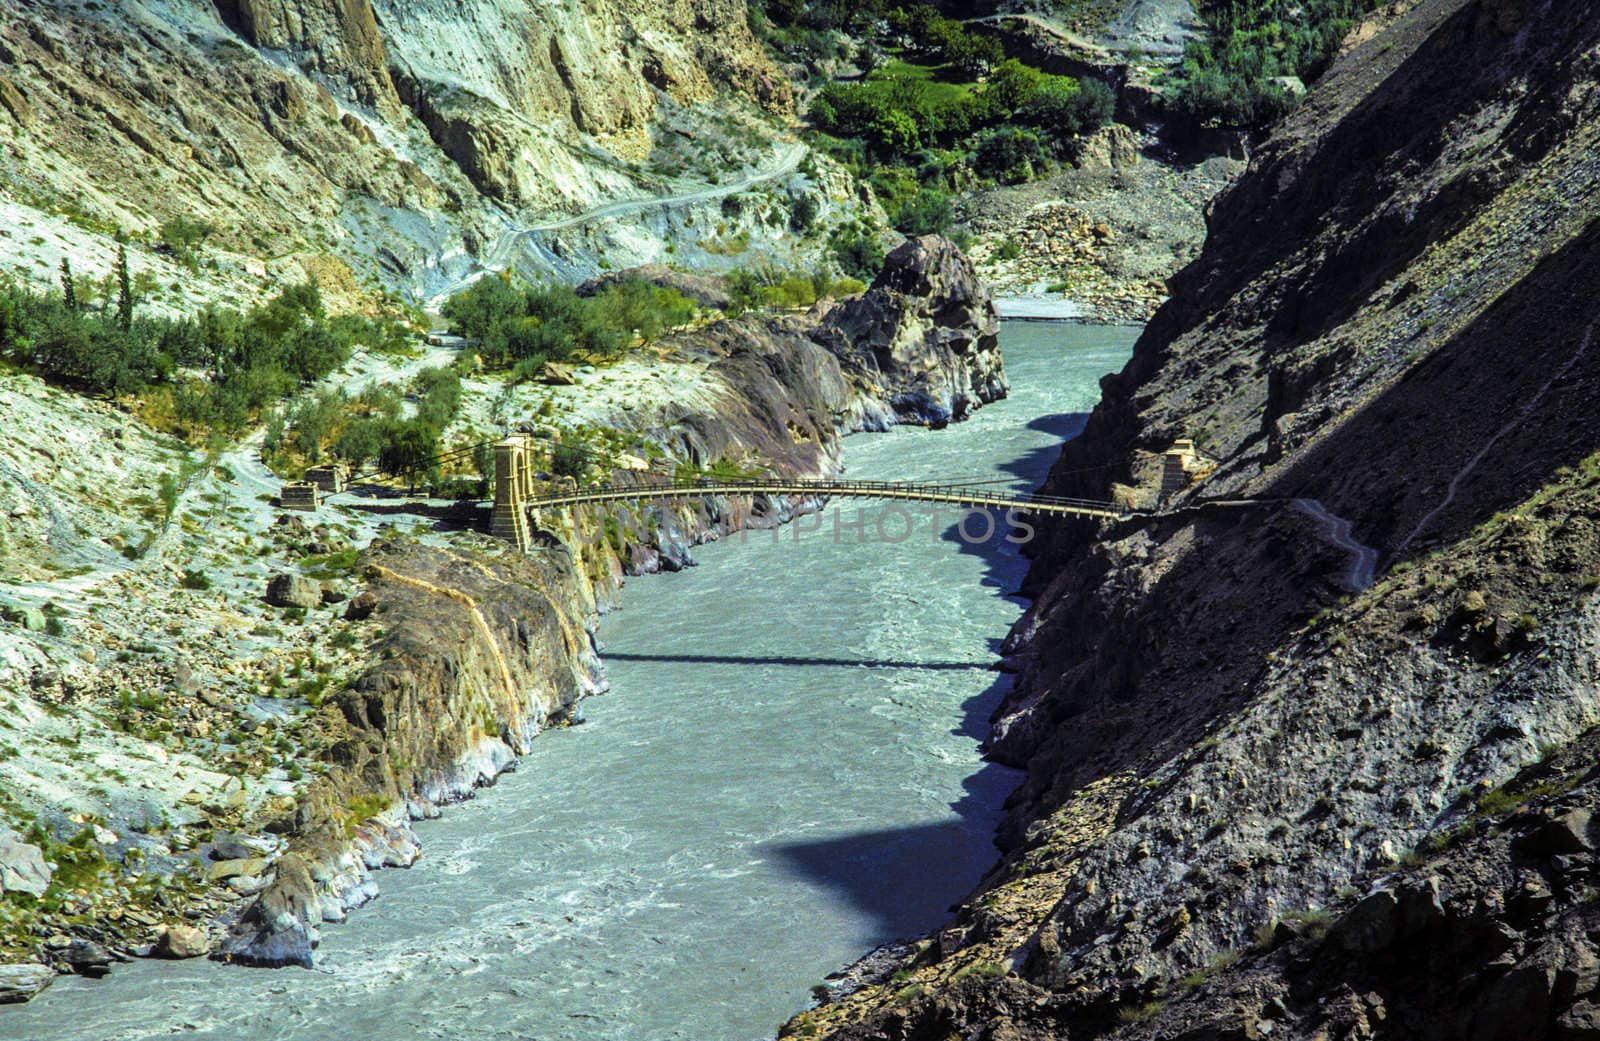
{"points": [[519, 493]]}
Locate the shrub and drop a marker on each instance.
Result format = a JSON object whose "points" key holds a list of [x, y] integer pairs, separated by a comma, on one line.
{"points": [[857, 251], [1009, 154], [198, 580], [569, 460], [803, 213], [184, 237], [520, 328], [1066, 108], [925, 213], [410, 449]]}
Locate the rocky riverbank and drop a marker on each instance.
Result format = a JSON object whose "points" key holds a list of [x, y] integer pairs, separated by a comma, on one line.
{"points": [[1096, 242], [422, 664]]}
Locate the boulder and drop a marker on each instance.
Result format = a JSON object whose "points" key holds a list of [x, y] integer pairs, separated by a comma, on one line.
{"points": [[1112, 147], [225, 869], [557, 375], [21, 982], [1564, 831], [1581, 1022], [290, 590], [361, 607], [87, 958], [184, 941], [22, 866], [279, 928]]}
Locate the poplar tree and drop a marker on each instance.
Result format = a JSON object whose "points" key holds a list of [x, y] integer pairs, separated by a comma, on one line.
{"points": [[69, 291], [124, 290]]}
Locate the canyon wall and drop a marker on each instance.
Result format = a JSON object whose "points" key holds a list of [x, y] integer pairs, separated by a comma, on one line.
{"points": [[1299, 766], [388, 145]]}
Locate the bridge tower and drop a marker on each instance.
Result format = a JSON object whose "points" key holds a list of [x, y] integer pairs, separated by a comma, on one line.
{"points": [[513, 479], [1181, 466]]}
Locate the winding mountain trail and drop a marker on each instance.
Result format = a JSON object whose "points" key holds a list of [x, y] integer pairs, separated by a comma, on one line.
{"points": [[1336, 530], [500, 255]]}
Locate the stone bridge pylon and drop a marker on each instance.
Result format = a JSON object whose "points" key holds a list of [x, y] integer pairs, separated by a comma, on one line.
{"points": [[513, 487]]}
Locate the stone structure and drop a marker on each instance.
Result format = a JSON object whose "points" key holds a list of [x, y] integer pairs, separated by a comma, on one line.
{"points": [[1182, 465], [301, 495], [329, 478], [513, 486]]}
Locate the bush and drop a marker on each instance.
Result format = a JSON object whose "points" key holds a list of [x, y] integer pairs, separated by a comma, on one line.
{"points": [[197, 580], [803, 213], [520, 328], [1009, 155], [1063, 110], [184, 237], [857, 251], [1228, 76], [925, 213], [439, 396], [239, 361], [569, 460], [410, 449]]}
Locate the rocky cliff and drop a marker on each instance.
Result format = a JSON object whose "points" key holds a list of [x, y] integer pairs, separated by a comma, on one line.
{"points": [[387, 145], [1316, 763]]}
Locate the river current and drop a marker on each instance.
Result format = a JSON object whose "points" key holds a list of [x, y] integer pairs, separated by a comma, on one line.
{"points": [[784, 775]]}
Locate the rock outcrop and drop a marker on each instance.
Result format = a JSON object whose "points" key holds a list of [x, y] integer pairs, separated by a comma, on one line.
{"points": [[22, 866], [479, 652], [1266, 796], [925, 336], [19, 983]]}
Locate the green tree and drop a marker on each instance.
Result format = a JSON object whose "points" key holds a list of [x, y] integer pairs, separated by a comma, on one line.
{"points": [[124, 290], [410, 449], [69, 291], [857, 251], [1009, 154]]}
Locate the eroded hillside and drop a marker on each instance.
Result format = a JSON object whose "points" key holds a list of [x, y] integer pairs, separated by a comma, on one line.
{"points": [[383, 146], [1265, 786]]}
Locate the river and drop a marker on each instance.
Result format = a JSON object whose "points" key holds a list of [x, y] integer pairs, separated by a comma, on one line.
{"points": [[784, 775]]}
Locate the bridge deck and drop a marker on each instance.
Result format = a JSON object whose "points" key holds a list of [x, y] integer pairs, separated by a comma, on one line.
{"points": [[956, 495]]}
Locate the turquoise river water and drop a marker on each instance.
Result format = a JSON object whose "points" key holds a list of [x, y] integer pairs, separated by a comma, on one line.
{"points": [[784, 775]]}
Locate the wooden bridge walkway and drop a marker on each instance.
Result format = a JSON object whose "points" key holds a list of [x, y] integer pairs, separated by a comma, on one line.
{"points": [[951, 494]]}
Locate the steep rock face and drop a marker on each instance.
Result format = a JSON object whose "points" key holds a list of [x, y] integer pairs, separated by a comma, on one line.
{"points": [[518, 82], [925, 335], [478, 653], [334, 38], [1230, 730], [408, 139]]}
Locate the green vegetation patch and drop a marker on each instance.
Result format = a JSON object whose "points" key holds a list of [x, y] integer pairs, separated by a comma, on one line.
{"points": [[520, 327], [1234, 75]]}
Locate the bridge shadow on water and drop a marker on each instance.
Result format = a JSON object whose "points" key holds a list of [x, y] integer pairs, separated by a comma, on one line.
{"points": [[907, 879], [785, 659]]}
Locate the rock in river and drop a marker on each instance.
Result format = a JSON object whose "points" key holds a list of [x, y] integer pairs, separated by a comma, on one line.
{"points": [[21, 982]]}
